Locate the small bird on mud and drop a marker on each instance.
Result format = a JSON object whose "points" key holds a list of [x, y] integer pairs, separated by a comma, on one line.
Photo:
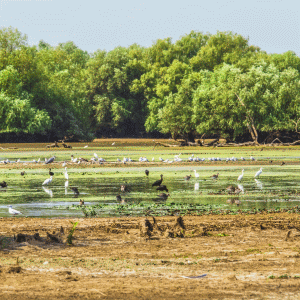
{"points": [[162, 188], [215, 176], [81, 202], [3, 184], [283, 163], [187, 177], [22, 173], [13, 211], [47, 181], [258, 173], [158, 182], [147, 172], [51, 173]]}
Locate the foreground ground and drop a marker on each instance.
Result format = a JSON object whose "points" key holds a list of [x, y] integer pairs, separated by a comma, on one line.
{"points": [[244, 257]]}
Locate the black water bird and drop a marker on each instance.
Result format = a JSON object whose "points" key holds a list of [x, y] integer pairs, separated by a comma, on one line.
{"points": [[158, 182], [3, 184], [75, 190], [162, 188], [51, 173], [22, 173], [187, 177], [147, 172]]}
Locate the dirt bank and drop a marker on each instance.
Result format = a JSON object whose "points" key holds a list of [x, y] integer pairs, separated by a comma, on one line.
{"points": [[244, 257]]}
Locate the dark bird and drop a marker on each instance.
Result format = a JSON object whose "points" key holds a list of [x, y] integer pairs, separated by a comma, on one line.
{"points": [[158, 182], [147, 172], [75, 190], [162, 188], [230, 189], [187, 177], [22, 173], [283, 163], [51, 173], [3, 184], [215, 176], [124, 188], [50, 160], [82, 159], [164, 196], [119, 199], [81, 202]]}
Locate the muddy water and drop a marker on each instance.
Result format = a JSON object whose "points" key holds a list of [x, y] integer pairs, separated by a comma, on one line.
{"points": [[276, 187]]}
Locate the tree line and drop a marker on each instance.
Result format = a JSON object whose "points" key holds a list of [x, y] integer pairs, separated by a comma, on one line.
{"points": [[202, 84]]}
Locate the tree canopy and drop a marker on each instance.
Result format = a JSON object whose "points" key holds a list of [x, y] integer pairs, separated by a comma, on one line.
{"points": [[215, 84]]}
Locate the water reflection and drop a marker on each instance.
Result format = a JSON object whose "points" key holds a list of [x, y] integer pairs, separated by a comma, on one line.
{"points": [[196, 186], [259, 184], [48, 191]]}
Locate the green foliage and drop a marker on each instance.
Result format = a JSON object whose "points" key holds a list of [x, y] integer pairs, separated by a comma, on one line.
{"points": [[71, 232]]}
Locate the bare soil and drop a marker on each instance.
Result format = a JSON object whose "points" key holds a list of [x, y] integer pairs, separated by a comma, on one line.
{"points": [[244, 257]]}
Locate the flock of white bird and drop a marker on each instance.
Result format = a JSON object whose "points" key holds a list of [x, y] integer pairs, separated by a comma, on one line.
{"points": [[125, 160]]}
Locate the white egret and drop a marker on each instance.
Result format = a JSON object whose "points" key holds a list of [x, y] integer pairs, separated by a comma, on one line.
{"points": [[85, 146], [47, 181], [66, 174], [96, 155], [259, 184], [196, 174], [13, 211], [241, 176], [258, 173], [64, 164], [153, 159], [66, 183], [240, 186], [113, 143]]}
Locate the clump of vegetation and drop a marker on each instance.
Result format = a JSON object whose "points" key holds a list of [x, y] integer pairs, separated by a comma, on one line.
{"points": [[71, 232]]}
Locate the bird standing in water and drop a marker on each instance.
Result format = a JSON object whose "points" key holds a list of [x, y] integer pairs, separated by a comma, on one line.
{"points": [[13, 211], [51, 173], [162, 188], [196, 174], [187, 177], [241, 176], [147, 172], [258, 173], [164, 196]]}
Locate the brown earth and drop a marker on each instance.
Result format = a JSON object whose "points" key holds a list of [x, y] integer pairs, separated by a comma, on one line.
{"points": [[244, 257]]}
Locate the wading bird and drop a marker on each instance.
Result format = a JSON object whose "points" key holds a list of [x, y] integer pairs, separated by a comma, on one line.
{"points": [[162, 188], [215, 176], [241, 176], [164, 196], [22, 173], [51, 173], [158, 182], [258, 173], [66, 183], [3, 184], [13, 211], [81, 202], [47, 181], [124, 188], [50, 160], [196, 174], [187, 177], [66, 174], [75, 190], [147, 172]]}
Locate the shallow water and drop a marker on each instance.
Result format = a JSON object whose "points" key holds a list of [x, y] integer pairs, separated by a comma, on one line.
{"points": [[276, 187]]}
